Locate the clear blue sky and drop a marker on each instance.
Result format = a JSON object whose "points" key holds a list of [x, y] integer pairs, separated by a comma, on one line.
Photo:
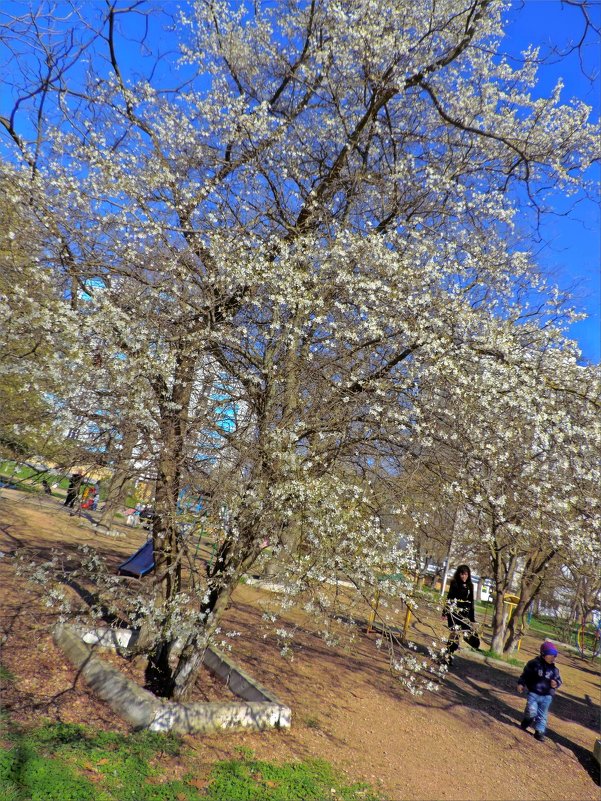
{"points": [[571, 250]]}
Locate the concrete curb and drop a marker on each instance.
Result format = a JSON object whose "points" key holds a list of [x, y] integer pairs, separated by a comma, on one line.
{"points": [[131, 702], [259, 710]]}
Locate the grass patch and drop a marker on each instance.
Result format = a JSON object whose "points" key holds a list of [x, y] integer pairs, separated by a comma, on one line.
{"points": [[6, 674], [254, 780], [67, 762], [511, 660]]}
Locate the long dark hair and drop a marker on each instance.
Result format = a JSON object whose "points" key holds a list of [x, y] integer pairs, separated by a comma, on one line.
{"points": [[462, 569]]}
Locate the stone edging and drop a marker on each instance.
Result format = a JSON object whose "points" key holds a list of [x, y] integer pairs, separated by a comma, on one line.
{"points": [[259, 710]]}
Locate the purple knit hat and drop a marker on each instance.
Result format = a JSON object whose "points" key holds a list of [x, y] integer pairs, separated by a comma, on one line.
{"points": [[548, 648]]}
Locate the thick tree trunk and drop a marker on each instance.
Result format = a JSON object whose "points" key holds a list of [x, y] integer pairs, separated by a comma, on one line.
{"points": [[158, 675], [499, 622], [503, 573], [232, 561], [516, 626], [191, 656], [530, 585], [174, 406]]}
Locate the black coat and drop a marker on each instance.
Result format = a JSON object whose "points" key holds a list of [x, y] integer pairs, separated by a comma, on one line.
{"points": [[460, 604]]}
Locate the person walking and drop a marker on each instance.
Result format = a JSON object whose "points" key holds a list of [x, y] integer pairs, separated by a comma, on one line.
{"points": [[459, 608], [73, 490], [541, 678]]}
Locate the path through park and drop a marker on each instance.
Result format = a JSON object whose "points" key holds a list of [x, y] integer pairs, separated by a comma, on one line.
{"points": [[461, 743]]}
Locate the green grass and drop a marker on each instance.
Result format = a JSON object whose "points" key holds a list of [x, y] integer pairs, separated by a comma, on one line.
{"points": [[64, 762], [255, 780], [9, 471], [5, 674], [67, 762], [511, 660]]}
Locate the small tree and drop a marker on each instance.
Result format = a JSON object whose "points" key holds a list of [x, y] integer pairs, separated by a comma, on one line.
{"points": [[524, 469]]}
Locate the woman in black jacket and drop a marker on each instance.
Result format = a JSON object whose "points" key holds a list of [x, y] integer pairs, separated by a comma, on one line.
{"points": [[459, 607]]}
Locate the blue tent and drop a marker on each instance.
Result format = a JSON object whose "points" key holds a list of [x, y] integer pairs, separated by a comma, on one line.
{"points": [[141, 563]]}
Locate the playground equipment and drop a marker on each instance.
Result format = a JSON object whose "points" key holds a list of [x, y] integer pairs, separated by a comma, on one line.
{"points": [[512, 601], [588, 642], [140, 563]]}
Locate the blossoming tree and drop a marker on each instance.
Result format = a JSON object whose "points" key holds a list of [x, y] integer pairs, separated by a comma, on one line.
{"points": [[282, 232], [520, 435]]}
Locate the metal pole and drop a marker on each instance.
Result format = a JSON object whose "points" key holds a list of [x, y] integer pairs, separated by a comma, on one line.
{"points": [[372, 615]]}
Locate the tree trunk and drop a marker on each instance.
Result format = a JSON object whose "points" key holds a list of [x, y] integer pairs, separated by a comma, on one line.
{"points": [[530, 586], [516, 626], [232, 561], [118, 484], [158, 674], [174, 407], [499, 622], [503, 571]]}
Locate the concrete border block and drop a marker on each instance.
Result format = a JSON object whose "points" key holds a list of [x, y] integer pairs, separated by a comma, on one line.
{"points": [[220, 716], [239, 682], [260, 709], [131, 702], [117, 639]]}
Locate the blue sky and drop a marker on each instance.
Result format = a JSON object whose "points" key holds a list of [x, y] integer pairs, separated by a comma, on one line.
{"points": [[571, 248]]}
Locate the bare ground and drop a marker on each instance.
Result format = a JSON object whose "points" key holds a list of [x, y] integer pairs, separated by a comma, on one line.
{"points": [[461, 743]]}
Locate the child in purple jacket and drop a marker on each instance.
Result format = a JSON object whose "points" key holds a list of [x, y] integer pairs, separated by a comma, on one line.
{"points": [[541, 678]]}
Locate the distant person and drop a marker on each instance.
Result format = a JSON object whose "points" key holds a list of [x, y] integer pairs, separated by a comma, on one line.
{"points": [[73, 490], [541, 678], [95, 497], [459, 608], [88, 497], [133, 516], [46, 486]]}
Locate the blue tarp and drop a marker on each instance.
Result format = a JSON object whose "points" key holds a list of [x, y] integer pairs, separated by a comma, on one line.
{"points": [[141, 563]]}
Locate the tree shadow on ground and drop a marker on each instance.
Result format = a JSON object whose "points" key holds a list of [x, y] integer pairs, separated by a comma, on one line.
{"points": [[471, 684], [486, 699]]}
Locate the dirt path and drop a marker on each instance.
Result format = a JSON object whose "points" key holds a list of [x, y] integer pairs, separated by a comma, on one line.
{"points": [[462, 743]]}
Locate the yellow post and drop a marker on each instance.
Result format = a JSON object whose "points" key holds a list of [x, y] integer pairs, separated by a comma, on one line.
{"points": [[406, 623], [372, 615], [511, 601]]}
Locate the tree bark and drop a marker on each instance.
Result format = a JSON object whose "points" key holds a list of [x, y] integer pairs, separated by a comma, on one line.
{"points": [[233, 560], [503, 573], [530, 586], [118, 484], [174, 408]]}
